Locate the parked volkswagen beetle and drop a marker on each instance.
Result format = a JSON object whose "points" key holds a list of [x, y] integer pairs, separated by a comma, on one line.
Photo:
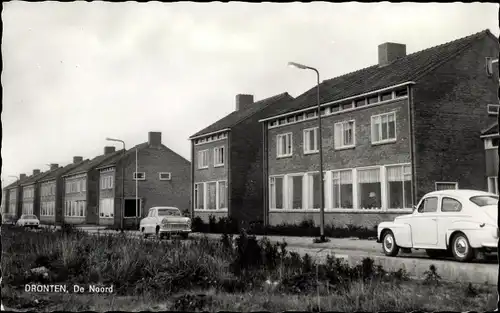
{"points": [[163, 221], [458, 222]]}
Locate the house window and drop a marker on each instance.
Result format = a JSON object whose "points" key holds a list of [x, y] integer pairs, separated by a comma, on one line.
{"points": [[344, 134], [139, 176], [106, 208], [446, 185], [84, 185], [313, 190], [284, 145], [311, 114], [295, 191], [401, 93], [300, 117], [342, 189], [75, 208], [47, 208], [219, 156], [360, 102], [386, 96], [203, 159], [384, 127], [346, 106], [212, 196], [493, 184], [276, 192], [311, 140], [165, 176], [222, 195], [335, 108], [369, 188], [399, 187], [291, 119], [372, 100], [199, 197], [493, 109]]}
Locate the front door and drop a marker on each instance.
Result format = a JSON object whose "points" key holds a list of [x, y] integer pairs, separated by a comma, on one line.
{"points": [[424, 224]]}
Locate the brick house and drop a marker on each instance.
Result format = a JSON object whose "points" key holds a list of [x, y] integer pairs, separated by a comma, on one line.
{"points": [[162, 178], [51, 192], [80, 190], [226, 161], [13, 199], [391, 133], [31, 192]]}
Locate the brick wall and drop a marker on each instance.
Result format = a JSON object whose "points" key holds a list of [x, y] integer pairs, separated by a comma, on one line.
{"points": [[211, 173], [450, 110], [364, 154], [154, 192]]}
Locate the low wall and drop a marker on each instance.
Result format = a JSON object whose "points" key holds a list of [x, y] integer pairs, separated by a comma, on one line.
{"points": [[107, 221], [338, 218], [204, 215], [49, 220], [74, 220]]}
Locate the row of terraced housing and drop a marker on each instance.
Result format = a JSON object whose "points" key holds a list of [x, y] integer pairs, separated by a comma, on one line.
{"points": [[391, 132]]}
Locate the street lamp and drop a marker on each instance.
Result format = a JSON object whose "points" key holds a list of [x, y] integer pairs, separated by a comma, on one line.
{"points": [[123, 181], [320, 148]]}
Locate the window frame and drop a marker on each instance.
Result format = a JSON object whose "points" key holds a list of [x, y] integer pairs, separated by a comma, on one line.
{"points": [[422, 205], [341, 125], [169, 176], [494, 112], [372, 125], [450, 198], [272, 192], [201, 157], [278, 143], [306, 143], [219, 152], [134, 176], [445, 183]]}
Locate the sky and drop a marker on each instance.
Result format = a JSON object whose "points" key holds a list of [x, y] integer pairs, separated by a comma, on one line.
{"points": [[76, 73]]}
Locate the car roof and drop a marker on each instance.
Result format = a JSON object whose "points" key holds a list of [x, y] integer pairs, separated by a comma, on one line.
{"points": [[465, 193], [164, 207]]}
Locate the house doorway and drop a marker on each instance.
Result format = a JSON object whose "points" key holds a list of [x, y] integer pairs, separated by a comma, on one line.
{"points": [[132, 208]]}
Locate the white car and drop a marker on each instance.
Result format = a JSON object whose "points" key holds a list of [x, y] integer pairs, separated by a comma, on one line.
{"points": [[28, 220], [460, 222], [165, 221]]}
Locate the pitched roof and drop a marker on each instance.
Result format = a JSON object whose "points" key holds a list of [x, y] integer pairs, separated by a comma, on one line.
{"points": [[112, 161], [88, 165], [409, 68], [60, 171], [35, 178], [236, 117], [18, 182], [492, 130]]}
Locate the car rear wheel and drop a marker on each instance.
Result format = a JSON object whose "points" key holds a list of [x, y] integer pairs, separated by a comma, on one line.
{"points": [[461, 249], [389, 244]]}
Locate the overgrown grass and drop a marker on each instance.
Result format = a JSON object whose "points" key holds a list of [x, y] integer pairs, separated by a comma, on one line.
{"points": [[306, 228], [235, 273]]}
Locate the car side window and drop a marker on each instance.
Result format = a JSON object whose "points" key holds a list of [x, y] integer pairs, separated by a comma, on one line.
{"points": [[450, 205], [429, 205]]}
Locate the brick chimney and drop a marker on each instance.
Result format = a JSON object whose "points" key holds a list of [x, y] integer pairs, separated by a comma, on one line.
{"points": [[22, 176], [54, 166], [77, 159], [36, 172], [154, 139], [389, 52], [109, 150], [243, 100]]}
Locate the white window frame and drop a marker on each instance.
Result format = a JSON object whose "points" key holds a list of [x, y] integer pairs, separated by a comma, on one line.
{"points": [[353, 183], [405, 174], [493, 184], [204, 186], [139, 178], [101, 213], [289, 137], [488, 143], [169, 177], [306, 132], [288, 192], [83, 183], [445, 183], [372, 125], [201, 157], [272, 195], [493, 109], [197, 187], [340, 126], [219, 154]]}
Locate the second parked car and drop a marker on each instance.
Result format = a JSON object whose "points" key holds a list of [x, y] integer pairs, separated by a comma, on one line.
{"points": [[456, 222], [163, 221], [28, 220]]}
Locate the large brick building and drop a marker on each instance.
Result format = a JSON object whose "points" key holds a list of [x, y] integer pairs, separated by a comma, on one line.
{"points": [[31, 191], [392, 132], [13, 192], [226, 161], [162, 178]]}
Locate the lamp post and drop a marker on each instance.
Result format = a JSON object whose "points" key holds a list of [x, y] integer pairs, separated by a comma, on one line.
{"points": [[320, 148], [123, 181]]}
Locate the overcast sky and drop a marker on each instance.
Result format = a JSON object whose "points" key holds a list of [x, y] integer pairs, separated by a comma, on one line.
{"points": [[75, 73]]}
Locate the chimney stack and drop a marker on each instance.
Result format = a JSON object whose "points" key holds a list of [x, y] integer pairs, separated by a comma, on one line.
{"points": [[77, 159], [36, 172], [242, 100], [54, 166], [389, 52], [109, 150], [22, 176], [154, 139]]}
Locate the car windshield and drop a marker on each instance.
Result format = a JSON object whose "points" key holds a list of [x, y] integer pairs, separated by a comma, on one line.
{"points": [[484, 200], [29, 217], [169, 212]]}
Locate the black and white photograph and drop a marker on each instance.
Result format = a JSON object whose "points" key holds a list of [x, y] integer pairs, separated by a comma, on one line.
{"points": [[238, 156]]}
